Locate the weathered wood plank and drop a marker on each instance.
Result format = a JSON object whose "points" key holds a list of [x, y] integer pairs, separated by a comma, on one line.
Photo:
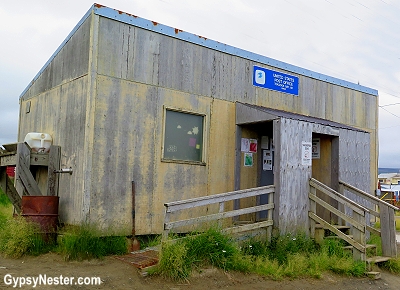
{"points": [[222, 197], [248, 227], [27, 178], [313, 209], [8, 160], [355, 223], [366, 196], [373, 230], [337, 196], [358, 236], [218, 216], [40, 159], [53, 164], [388, 230], [337, 232]]}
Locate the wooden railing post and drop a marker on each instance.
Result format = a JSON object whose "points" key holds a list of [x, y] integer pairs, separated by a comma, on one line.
{"points": [[221, 209], [340, 205], [359, 236], [313, 209], [388, 230], [270, 215], [165, 234]]}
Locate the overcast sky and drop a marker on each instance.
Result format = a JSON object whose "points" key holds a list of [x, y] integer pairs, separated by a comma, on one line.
{"points": [[354, 40]]}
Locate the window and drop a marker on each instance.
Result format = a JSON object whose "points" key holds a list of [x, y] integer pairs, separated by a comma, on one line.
{"points": [[183, 136]]}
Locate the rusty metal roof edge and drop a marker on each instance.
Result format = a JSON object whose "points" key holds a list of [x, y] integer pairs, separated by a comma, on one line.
{"points": [[58, 50], [218, 46], [300, 117]]}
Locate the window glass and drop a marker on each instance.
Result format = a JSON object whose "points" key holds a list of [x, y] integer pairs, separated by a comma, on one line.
{"points": [[183, 138]]}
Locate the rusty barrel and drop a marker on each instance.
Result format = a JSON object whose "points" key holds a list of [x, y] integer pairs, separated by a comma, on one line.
{"points": [[42, 210]]}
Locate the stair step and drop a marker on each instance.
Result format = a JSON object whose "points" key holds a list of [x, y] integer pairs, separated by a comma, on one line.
{"points": [[337, 237], [377, 259], [319, 226], [368, 246], [373, 275]]}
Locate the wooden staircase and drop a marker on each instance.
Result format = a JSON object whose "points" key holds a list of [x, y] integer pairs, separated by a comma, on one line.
{"points": [[353, 221]]}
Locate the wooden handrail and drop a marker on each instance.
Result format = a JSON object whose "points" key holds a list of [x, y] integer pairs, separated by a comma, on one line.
{"points": [[221, 198], [347, 201], [216, 198], [357, 219], [367, 196]]}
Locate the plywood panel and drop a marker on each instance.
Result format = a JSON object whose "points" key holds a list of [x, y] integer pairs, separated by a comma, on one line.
{"points": [[292, 177], [70, 63], [60, 112]]}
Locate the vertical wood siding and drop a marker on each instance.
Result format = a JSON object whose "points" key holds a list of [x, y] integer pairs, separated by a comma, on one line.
{"points": [[291, 177], [70, 63], [134, 74], [60, 112]]}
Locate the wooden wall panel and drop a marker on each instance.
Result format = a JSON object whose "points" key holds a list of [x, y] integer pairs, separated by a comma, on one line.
{"points": [[60, 112], [70, 63], [354, 161], [291, 177]]}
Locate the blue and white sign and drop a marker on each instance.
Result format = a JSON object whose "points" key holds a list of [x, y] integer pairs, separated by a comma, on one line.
{"points": [[276, 81]]}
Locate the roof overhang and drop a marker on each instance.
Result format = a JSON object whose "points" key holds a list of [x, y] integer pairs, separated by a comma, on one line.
{"points": [[248, 114]]}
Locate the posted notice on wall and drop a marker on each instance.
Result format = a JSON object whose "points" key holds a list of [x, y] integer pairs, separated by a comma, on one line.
{"points": [[248, 159], [249, 145], [316, 148], [267, 160], [306, 153]]}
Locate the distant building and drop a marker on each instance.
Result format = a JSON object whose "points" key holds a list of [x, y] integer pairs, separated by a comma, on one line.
{"points": [[389, 178]]}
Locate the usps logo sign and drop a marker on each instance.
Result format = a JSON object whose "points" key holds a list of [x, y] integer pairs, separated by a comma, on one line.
{"points": [[259, 77], [276, 81]]}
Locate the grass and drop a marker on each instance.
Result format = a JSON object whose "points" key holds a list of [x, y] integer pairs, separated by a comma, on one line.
{"points": [[284, 257], [20, 237], [87, 241]]}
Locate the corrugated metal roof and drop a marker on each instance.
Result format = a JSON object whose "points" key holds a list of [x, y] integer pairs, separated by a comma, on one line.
{"points": [[203, 41], [299, 117]]}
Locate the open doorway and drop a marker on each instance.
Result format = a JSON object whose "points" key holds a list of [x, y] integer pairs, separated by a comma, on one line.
{"points": [[325, 165]]}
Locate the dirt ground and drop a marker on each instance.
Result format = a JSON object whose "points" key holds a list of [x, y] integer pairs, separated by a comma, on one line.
{"points": [[116, 274]]}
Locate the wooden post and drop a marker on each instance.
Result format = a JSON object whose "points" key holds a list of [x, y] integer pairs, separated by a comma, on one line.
{"points": [[359, 236], [313, 209], [166, 220], [341, 222], [270, 216], [388, 230], [221, 209], [54, 164], [25, 182]]}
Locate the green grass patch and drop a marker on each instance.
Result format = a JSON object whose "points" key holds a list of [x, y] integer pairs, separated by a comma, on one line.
{"points": [[377, 224], [88, 242], [284, 257], [20, 237], [148, 241], [6, 209]]}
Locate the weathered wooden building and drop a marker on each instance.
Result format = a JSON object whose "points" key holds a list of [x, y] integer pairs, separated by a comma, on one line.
{"points": [[181, 116]]}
